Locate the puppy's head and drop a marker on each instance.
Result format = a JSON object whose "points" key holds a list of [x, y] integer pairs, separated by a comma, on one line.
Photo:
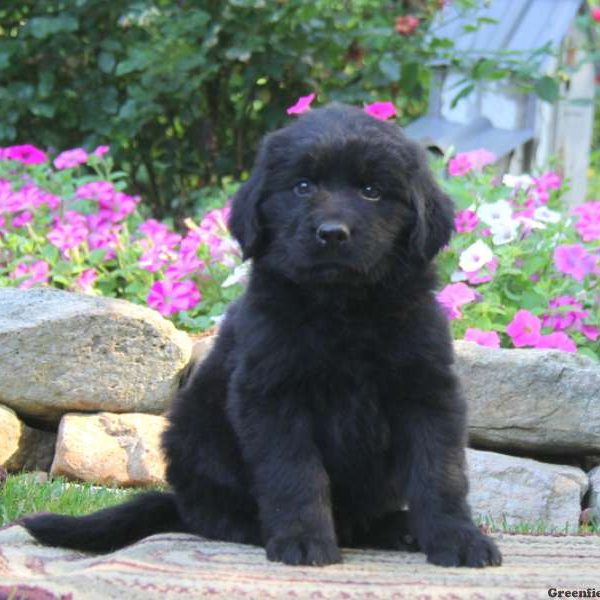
{"points": [[340, 197]]}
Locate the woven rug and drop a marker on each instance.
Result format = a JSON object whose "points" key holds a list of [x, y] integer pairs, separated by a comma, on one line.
{"points": [[185, 566]]}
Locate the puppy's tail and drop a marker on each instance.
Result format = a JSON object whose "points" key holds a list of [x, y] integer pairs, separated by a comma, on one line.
{"points": [[111, 528]]}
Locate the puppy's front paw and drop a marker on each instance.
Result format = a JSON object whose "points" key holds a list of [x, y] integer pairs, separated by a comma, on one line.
{"points": [[303, 549], [463, 547]]}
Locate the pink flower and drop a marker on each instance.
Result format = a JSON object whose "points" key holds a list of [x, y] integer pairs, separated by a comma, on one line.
{"points": [[466, 221], [548, 181], [595, 13], [557, 340], [71, 158], [453, 296], [302, 105], [25, 154], [170, 297], [459, 165], [22, 219], [474, 160], [96, 190], [101, 151], [119, 205], [588, 225], [574, 260], [562, 319], [68, 234], [406, 25], [484, 338], [186, 264], [85, 281], [591, 332], [381, 110], [37, 272], [524, 329]]}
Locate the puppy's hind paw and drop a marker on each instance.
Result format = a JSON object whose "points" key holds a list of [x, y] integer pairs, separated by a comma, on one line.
{"points": [[464, 547], [303, 550]]}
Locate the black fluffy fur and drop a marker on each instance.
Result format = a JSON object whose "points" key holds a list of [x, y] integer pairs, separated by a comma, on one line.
{"points": [[328, 402]]}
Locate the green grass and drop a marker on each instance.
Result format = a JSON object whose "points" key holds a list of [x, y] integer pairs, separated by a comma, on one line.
{"points": [[22, 494]]}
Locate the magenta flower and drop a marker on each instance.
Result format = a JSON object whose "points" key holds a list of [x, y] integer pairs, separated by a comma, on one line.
{"points": [[557, 340], [484, 274], [22, 219], [119, 205], [101, 151], [548, 181], [71, 158], [302, 105], [36, 273], [459, 165], [186, 264], [591, 332], [453, 296], [85, 281], [558, 320], [96, 190], [25, 154], [574, 260], [69, 233], [524, 329], [588, 224], [170, 297], [466, 221], [381, 110], [484, 338]]}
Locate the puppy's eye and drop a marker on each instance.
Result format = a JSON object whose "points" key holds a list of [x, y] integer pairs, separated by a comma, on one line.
{"points": [[370, 192], [304, 188]]}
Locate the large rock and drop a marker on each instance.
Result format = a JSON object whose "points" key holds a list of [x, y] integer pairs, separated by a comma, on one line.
{"points": [[64, 352], [535, 400], [520, 491], [110, 449]]}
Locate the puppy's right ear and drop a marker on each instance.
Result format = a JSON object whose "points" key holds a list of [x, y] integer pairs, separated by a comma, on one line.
{"points": [[244, 221]]}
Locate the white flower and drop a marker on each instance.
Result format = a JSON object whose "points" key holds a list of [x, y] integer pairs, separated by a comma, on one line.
{"points": [[475, 256], [531, 223], [504, 232], [544, 214], [520, 181], [495, 213], [240, 275]]}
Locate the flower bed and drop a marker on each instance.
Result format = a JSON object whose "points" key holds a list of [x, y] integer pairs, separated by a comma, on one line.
{"points": [[522, 271]]}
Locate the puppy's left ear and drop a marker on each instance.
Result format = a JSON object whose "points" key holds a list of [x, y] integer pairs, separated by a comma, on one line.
{"points": [[244, 221], [434, 212]]}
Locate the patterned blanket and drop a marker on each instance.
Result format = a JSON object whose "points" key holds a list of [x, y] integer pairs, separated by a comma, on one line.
{"points": [[185, 567]]}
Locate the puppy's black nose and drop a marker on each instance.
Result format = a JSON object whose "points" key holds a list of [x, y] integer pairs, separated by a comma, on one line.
{"points": [[333, 233]]}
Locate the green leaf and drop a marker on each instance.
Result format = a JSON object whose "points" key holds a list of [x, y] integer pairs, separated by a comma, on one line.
{"points": [[106, 62], [390, 68], [43, 27], [462, 94], [547, 89], [95, 257]]}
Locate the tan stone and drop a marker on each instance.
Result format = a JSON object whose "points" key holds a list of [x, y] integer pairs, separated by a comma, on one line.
{"points": [[10, 434], [63, 352], [110, 449]]}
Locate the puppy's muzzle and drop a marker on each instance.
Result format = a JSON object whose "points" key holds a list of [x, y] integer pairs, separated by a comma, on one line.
{"points": [[333, 233]]}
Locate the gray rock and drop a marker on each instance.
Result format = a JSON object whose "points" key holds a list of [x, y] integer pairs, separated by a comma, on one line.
{"points": [[63, 352], [520, 491], [536, 400], [110, 449], [594, 499]]}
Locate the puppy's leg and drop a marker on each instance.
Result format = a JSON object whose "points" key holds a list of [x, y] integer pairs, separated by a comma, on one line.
{"points": [[437, 485], [290, 482], [389, 532]]}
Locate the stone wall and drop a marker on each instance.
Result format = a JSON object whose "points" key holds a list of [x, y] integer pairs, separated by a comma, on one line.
{"points": [[85, 380]]}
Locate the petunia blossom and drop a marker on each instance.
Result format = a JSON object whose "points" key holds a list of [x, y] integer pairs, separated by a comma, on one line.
{"points": [[381, 110], [101, 151], [588, 224], [71, 158], [484, 338], [85, 281], [35, 273], [26, 154], [302, 105], [557, 340], [475, 256], [453, 296], [524, 329], [574, 260], [406, 25], [170, 297], [465, 221]]}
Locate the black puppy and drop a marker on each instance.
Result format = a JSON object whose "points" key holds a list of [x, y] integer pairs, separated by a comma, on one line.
{"points": [[328, 402]]}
